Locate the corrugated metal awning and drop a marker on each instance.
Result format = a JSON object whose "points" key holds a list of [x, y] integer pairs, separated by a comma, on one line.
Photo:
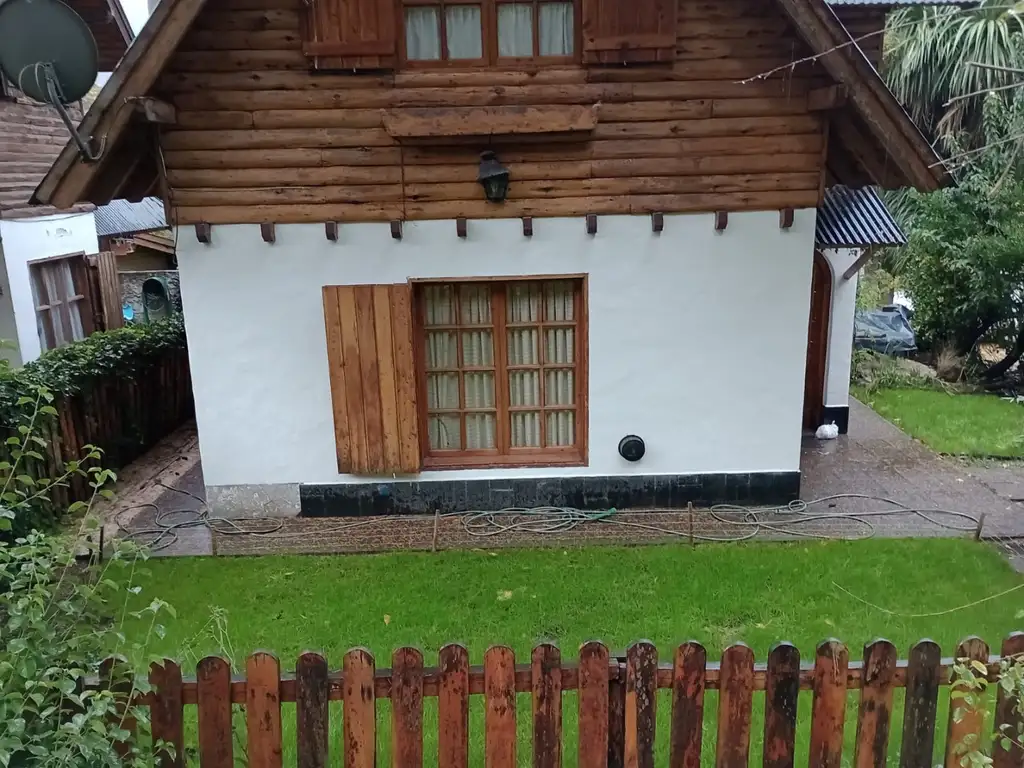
{"points": [[902, 3], [120, 217], [851, 218]]}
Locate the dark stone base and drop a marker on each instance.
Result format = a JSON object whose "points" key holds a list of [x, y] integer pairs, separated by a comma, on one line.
{"points": [[594, 493], [840, 414]]}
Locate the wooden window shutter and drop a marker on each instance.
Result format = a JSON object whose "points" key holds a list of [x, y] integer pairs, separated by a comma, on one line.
{"points": [[373, 379], [629, 31], [351, 34]]}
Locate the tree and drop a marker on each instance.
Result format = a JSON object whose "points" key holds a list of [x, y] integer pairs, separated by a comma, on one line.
{"points": [[929, 57], [964, 266]]}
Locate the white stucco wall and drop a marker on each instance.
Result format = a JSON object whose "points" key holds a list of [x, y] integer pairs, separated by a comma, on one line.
{"points": [[26, 240], [697, 339], [840, 336]]}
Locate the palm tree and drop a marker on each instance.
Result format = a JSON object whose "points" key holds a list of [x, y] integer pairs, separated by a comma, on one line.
{"points": [[930, 57]]}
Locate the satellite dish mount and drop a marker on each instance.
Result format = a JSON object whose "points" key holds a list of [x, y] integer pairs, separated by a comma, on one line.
{"points": [[47, 50], [87, 146]]}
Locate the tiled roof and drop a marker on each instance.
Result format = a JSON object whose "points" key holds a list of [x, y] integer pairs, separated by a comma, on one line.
{"points": [[855, 217], [120, 217]]}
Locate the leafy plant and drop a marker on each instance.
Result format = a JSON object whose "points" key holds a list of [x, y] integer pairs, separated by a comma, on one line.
{"points": [[59, 620], [971, 693]]}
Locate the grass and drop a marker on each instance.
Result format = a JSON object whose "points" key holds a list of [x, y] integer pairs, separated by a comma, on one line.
{"points": [[961, 424], [715, 594]]}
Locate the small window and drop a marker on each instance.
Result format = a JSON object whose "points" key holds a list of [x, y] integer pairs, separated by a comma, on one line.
{"points": [[494, 32], [443, 33], [63, 311], [501, 372]]}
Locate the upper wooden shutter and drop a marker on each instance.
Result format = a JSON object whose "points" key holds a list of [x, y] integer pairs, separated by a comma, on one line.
{"points": [[351, 34], [373, 379], [629, 31]]}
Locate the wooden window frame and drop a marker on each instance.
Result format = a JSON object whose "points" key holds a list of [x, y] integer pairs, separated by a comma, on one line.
{"points": [[489, 37], [82, 297], [505, 455]]}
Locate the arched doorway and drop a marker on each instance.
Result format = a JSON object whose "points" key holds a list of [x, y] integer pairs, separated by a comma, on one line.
{"points": [[817, 342]]}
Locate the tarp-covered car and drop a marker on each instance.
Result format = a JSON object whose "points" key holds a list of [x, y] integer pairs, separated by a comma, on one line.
{"points": [[883, 331]]}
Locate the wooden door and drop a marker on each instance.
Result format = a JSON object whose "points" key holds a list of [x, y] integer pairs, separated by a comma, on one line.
{"points": [[817, 342]]}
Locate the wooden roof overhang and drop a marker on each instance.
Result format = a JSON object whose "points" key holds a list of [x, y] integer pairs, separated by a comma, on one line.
{"points": [[873, 140]]}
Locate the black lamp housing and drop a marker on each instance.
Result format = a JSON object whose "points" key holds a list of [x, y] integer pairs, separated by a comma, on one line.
{"points": [[493, 177]]}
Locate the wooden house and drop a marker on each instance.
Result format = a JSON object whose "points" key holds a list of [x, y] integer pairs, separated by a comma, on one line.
{"points": [[495, 253], [44, 294]]}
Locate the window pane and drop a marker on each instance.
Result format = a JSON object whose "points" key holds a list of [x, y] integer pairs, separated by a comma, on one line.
{"points": [[522, 346], [524, 303], [558, 301], [524, 387], [525, 429], [442, 351], [560, 428], [559, 387], [556, 29], [422, 33], [475, 304], [443, 392], [480, 430], [558, 346], [477, 349], [443, 431], [439, 305], [462, 25], [515, 30], [479, 390]]}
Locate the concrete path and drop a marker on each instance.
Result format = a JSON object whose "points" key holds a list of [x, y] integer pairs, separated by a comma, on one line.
{"points": [[875, 459], [878, 459]]}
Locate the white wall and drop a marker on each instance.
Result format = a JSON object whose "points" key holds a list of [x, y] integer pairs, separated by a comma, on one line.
{"points": [[840, 335], [26, 240], [697, 339]]}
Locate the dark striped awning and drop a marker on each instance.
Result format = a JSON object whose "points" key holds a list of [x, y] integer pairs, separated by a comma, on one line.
{"points": [[852, 218]]}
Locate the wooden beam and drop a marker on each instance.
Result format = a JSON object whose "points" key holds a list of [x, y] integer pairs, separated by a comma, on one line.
{"points": [[396, 229], [460, 227], [203, 232], [591, 223], [860, 261], [785, 218], [331, 230], [826, 98], [268, 232], [818, 26], [527, 226], [721, 220], [877, 163], [657, 222], [440, 122], [156, 111], [68, 180]]}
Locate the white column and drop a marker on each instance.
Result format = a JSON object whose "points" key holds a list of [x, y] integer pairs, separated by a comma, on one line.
{"points": [[840, 335]]}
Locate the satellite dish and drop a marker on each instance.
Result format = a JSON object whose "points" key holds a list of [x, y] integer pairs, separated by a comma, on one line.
{"points": [[48, 52]]}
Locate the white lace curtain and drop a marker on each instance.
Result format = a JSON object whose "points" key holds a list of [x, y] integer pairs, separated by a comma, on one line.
{"points": [[464, 36], [540, 359]]}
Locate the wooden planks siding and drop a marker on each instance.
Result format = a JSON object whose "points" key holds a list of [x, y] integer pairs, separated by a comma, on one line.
{"points": [[373, 388], [259, 138], [866, 26]]}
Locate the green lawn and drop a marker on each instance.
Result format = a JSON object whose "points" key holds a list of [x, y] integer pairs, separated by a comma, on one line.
{"points": [[970, 425], [715, 594]]}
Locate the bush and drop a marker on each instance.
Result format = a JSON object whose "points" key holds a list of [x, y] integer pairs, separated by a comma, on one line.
{"points": [[123, 352], [872, 371]]}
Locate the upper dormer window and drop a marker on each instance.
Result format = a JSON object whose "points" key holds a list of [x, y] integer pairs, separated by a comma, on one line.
{"points": [[375, 35], [492, 32]]}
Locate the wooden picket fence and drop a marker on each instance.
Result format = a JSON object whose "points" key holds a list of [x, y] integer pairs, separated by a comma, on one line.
{"points": [[616, 705]]}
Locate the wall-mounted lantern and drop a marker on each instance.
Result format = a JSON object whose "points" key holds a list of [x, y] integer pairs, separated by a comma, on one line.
{"points": [[493, 177]]}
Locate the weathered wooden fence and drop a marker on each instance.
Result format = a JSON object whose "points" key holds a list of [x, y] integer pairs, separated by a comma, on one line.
{"points": [[616, 705], [123, 416]]}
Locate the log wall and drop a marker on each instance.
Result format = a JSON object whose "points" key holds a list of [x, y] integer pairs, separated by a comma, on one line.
{"points": [[866, 25], [260, 138]]}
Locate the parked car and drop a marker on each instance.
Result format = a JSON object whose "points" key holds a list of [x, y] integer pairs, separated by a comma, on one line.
{"points": [[885, 330]]}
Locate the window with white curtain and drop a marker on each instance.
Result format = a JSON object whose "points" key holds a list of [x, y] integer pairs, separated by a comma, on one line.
{"points": [[63, 311], [488, 32], [501, 371]]}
